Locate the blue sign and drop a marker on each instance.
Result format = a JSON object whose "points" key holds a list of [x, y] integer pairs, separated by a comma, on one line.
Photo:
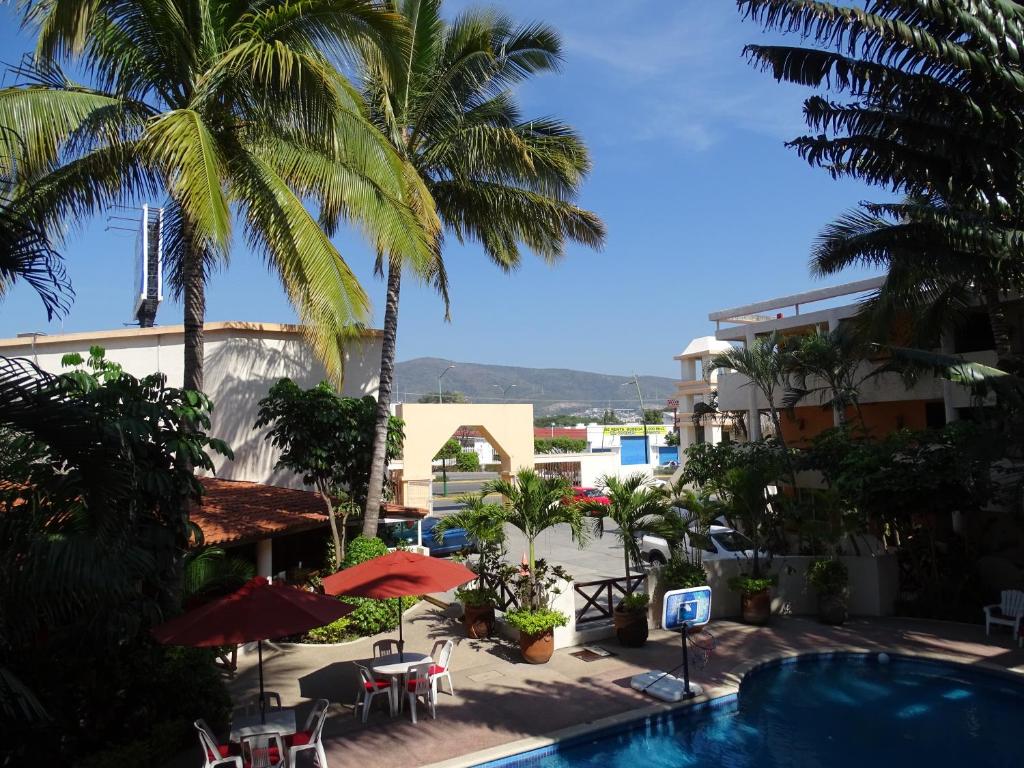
{"points": [[691, 606]]}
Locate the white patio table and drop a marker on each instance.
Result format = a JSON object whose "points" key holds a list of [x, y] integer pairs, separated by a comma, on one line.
{"points": [[396, 666], [280, 721]]}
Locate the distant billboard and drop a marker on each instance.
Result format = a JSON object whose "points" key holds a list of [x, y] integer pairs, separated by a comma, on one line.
{"points": [[635, 430]]}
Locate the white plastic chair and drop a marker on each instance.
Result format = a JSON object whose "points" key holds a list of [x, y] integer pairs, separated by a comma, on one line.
{"points": [[385, 648], [1009, 612], [369, 687], [215, 755], [264, 750], [418, 687], [311, 736], [441, 668]]}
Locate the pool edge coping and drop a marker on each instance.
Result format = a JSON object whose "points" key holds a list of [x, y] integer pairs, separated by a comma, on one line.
{"points": [[734, 681]]}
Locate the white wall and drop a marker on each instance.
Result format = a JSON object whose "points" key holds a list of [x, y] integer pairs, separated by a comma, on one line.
{"points": [[243, 360]]}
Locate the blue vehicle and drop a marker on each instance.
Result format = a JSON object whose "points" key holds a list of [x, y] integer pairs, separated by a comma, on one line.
{"points": [[404, 534]]}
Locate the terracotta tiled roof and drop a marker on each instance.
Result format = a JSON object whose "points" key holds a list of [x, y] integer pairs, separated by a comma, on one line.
{"points": [[540, 433], [238, 512]]}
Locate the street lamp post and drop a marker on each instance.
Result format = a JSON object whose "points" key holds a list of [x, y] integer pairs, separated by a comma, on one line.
{"points": [[552, 430], [439, 382], [504, 390], [643, 417]]}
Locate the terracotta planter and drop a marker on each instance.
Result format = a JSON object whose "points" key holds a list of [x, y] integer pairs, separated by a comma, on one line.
{"points": [[479, 620], [756, 607], [630, 627], [832, 609], [537, 649]]}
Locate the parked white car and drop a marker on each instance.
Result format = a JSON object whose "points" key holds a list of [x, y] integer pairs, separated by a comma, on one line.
{"points": [[723, 543]]}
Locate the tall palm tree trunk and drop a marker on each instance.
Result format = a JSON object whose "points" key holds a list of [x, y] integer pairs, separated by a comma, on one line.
{"points": [[195, 312], [387, 375]]}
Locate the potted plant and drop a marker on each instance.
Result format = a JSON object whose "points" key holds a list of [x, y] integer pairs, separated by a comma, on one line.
{"points": [[831, 580], [635, 506], [484, 523], [755, 598], [533, 504], [536, 632]]}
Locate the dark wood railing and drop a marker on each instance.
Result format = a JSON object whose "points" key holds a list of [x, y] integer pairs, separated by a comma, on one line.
{"points": [[600, 596], [507, 598]]}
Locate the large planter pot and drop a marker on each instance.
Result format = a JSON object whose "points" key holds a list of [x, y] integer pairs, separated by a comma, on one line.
{"points": [[832, 609], [537, 649], [756, 607], [479, 620], [630, 627]]}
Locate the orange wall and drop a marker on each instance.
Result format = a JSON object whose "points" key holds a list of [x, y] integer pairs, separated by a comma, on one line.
{"points": [[880, 419]]}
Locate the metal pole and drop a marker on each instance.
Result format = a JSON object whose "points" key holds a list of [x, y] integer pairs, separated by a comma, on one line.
{"points": [[439, 382], [263, 700], [401, 642], [643, 418]]}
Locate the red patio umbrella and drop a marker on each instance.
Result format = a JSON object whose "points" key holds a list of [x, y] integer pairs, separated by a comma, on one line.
{"points": [[398, 574], [258, 611]]}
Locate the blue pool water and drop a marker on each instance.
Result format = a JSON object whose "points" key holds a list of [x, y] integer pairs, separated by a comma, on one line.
{"points": [[835, 711]]}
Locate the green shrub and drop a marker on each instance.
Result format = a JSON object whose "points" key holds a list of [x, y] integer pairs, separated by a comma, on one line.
{"points": [[371, 617], [361, 549], [829, 577], [468, 461], [336, 632], [634, 602], [679, 573], [559, 445], [476, 596], [751, 585], [536, 622]]}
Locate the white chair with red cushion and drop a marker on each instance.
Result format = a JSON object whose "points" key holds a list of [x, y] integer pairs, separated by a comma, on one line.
{"points": [[369, 687], [441, 668], [418, 686], [310, 737], [263, 750], [215, 755]]}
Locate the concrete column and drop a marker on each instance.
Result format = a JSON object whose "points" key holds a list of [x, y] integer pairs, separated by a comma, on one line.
{"points": [[948, 387], [753, 413], [833, 323], [265, 558]]}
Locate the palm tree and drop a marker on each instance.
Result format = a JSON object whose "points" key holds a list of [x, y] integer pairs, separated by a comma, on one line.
{"points": [[828, 364], [764, 363], [690, 521], [635, 506], [496, 178], [935, 111], [484, 523], [532, 504], [237, 112]]}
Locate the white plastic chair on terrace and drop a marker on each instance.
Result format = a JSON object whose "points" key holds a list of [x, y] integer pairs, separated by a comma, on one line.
{"points": [[418, 686], [215, 755], [369, 687], [311, 736], [441, 668], [264, 750], [1009, 612], [385, 648]]}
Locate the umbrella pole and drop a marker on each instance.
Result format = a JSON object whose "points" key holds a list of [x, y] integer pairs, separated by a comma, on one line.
{"points": [[263, 701], [401, 642]]}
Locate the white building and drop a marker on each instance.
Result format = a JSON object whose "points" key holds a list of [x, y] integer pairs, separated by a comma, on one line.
{"points": [[696, 383]]}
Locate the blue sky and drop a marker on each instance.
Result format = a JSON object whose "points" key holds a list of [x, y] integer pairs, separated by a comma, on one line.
{"points": [[705, 207]]}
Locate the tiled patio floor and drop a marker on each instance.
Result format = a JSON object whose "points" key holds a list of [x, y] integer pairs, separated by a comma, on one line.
{"points": [[499, 699]]}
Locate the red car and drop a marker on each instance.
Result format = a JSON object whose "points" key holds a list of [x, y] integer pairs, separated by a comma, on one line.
{"points": [[580, 494]]}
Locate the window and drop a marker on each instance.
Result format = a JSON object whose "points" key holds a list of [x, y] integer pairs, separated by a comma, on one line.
{"points": [[732, 541]]}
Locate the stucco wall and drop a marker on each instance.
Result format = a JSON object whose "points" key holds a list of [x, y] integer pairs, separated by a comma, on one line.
{"points": [[243, 360]]}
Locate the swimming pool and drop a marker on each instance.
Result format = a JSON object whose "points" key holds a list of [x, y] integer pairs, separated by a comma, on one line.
{"points": [[834, 710]]}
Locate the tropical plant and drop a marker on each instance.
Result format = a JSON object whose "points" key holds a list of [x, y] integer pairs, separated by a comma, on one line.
{"points": [[935, 110], [93, 529], [635, 506], [827, 364], [536, 622], [679, 573], [484, 524], [467, 461], [708, 410], [764, 364], [558, 445], [209, 572], [25, 250], [532, 504], [829, 577], [326, 439], [496, 178], [692, 514], [235, 111], [746, 488]]}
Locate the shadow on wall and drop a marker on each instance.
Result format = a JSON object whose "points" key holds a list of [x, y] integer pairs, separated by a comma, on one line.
{"points": [[240, 372]]}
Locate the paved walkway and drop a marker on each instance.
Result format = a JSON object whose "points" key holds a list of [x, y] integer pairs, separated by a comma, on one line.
{"points": [[499, 699]]}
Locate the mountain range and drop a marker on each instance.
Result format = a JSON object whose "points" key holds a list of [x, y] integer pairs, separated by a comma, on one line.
{"points": [[551, 390]]}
